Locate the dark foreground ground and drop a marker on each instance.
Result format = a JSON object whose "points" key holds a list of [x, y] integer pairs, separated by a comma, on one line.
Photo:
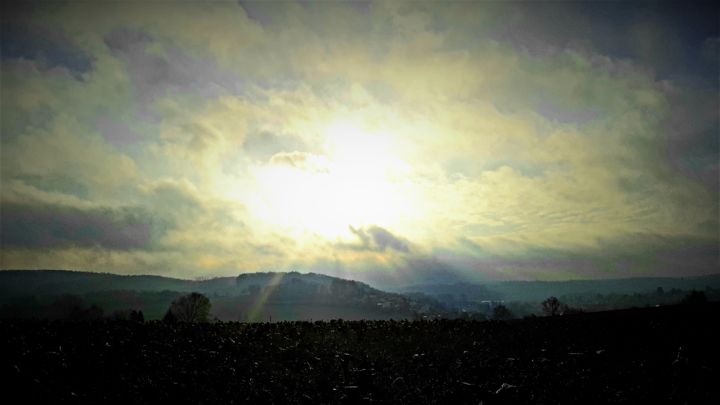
{"points": [[656, 355]]}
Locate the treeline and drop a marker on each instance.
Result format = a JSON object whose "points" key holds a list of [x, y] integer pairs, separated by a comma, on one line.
{"points": [[95, 305], [65, 307], [193, 307], [603, 302], [570, 303], [300, 300]]}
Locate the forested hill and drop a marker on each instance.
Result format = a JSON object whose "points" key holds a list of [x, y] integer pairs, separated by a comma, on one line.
{"points": [[14, 283], [50, 282], [255, 296], [293, 295]]}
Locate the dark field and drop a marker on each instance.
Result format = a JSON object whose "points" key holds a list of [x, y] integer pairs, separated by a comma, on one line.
{"points": [[654, 355]]}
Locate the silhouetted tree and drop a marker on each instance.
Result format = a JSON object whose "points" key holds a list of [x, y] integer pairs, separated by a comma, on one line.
{"points": [[169, 317], [694, 297], [568, 310], [194, 307], [502, 313], [67, 307], [128, 315], [74, 308], [137, 316], [93, 313], [551, 306], [120, 315]]}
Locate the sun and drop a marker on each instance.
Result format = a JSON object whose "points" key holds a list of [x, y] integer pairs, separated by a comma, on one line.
{"points": [[357, 181]]}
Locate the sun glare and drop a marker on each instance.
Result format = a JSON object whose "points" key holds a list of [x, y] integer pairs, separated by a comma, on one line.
{"points": [[360, 183]]}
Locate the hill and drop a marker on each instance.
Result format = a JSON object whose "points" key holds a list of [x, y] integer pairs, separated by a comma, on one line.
{"points": [[42, 282], [539, 290], [248, 297], [305, 296]]}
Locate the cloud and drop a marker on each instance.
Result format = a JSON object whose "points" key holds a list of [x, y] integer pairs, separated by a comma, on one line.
{"points": [[548, 146], [157, 69], [49, 46], [64, 152], [379, 239], [51, 226], [117, 132], [301, 161], [634, 255], [263, 145]]}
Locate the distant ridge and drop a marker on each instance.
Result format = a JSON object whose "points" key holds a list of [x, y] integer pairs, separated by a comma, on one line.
{"points": [[252, 296], [32, 282], [39, 282], [538, 290]]}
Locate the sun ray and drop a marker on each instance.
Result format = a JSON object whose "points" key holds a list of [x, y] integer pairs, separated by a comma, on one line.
{"points": [[259, 304]]}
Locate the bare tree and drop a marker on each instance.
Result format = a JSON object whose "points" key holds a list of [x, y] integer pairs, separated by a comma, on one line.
{"points": [[694, 297], [551, 306], [502, 313], [194, 307]]}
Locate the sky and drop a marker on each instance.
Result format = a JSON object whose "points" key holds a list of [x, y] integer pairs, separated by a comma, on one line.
{"points": [[393, 143]]}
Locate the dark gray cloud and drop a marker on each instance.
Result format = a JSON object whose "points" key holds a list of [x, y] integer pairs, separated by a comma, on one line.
{"points": [[430, 269], [127, 41], [641, 254], [667, 37], [692, 130], [263, 12], [117, 132], [268, 13], [155, 75], [152, 75], [384, 239], [53, 226], [379, 239], [565, 114], [659, 255], [49, 48]]}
